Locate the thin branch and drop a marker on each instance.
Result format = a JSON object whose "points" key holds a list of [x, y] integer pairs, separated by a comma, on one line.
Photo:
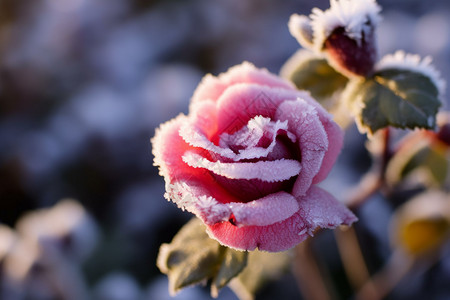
{"points": [[375, 179], [353, 262], [309, 278], [387, 279]]}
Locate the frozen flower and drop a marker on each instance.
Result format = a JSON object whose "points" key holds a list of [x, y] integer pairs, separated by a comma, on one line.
{"points": [[246, 160]]}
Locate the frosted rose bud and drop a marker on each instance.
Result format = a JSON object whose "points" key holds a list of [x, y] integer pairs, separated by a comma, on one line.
{"points": [[246, 159], [345, 33]]}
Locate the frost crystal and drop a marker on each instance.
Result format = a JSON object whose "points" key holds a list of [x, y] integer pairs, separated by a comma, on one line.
{"points": [[358, 17], [412, 62]]}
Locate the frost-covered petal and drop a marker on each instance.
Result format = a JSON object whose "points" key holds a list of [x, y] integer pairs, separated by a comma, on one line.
{"points": [[317, 209], [212, 87], [304, 121], [335, 141], [335, 137], [268, 171], [168, 148], [203, 116], [196, 137], [268, 210], [197, 199], [265, 211], [241, 102]]}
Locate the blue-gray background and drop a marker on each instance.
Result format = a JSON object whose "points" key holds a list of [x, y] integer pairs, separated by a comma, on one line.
{"points": [[84, 84]]}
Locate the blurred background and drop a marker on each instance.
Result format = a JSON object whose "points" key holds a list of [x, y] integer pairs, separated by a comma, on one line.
{"points": [[84, 84]]}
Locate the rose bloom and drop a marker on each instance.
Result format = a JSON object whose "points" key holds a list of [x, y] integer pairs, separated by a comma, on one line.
{"points": [[246, 159]]}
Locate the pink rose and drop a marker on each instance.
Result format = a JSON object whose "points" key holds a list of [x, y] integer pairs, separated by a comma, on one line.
{"points": [[246, 158]]}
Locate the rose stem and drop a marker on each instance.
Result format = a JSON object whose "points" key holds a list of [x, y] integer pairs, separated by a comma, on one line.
{"points": [[353, 261], [374, 179], [311, 283], [387, 278]]}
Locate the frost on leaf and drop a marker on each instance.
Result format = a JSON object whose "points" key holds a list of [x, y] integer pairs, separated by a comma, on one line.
{"points": [[393, 97]]}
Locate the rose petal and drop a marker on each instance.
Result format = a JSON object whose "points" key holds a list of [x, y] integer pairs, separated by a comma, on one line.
{"points": [[242, 102], [265, 211], [204, 117], [212, 87], [335, 142], [317, 209], [335, 139], [259, 131], [269, 171], [168, 148], [195, 137], [313, 140], [320, 209], [197, 200]]}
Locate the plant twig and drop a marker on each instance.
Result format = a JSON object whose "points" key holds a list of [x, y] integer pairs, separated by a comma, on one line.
{"points": [[353, 262], [385, 280], [375, 179], [311, 282]]}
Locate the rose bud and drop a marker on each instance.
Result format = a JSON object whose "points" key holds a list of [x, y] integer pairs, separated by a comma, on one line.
{"points": [[247, 158], [345, 33]]}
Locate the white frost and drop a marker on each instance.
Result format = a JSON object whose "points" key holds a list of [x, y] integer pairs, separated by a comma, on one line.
{"points": [[412, 62], [356, 16]]}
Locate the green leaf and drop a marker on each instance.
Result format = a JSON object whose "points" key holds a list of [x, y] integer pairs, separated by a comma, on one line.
{"points": [[192, 257], [233, 262], [429, 160], [398, 98], [261, 267], [312, 73]]}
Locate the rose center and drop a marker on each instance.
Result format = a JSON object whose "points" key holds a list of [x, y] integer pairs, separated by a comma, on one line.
{"points": [[252, 189]]}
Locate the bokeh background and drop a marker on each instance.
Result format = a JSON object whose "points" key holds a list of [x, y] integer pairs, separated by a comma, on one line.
{"points": [[84, 84]]}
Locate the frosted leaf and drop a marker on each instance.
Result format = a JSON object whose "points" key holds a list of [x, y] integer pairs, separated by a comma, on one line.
{"points": [[413, 62]]}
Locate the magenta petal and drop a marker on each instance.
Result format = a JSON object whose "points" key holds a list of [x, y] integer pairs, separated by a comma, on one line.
{"points": [[168, 148], [204, 117], [196, 137], [318, 209], [335, 138], [265, 211], [335, 142], [313, 141], [268, 171], [212, 87], [197, 200], [242, 102]]}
